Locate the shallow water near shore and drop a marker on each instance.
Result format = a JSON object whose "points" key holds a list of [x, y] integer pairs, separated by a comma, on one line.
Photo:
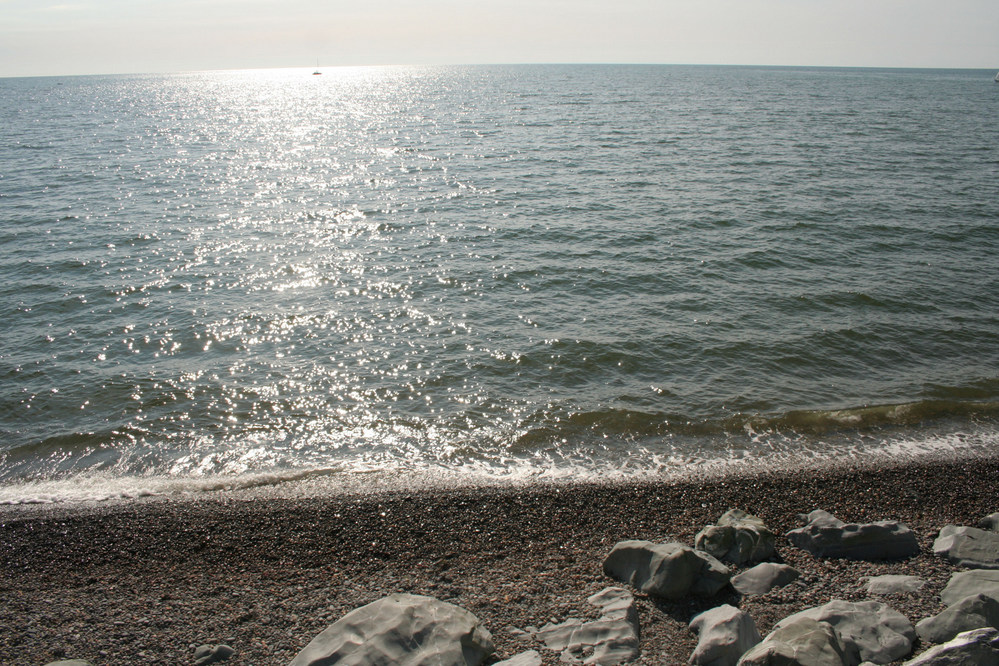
{"points": [[234, 279]]}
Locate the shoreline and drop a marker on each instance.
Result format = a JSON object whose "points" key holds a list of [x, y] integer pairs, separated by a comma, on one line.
{"points": [[148, 580], [85, 491]]}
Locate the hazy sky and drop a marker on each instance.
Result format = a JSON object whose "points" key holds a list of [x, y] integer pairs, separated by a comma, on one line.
{"points": [[41, 37]]}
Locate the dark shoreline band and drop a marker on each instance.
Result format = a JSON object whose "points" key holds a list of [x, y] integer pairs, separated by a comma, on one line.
{"points": [[112, 581]]}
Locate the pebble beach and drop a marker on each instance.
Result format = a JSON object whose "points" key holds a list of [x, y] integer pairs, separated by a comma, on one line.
{"points": [[147, 581]]}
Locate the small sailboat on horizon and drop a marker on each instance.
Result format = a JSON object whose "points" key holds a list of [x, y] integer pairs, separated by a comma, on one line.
{"points": [[317, 72]]}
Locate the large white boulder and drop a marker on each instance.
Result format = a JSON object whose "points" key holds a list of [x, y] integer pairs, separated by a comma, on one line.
{"points": [[824, 535], [724, 634], [803, 642], [404, 629], [966, 583], [881, 634], [738, 537], [968, 546], [973, 612], [667, 570]]}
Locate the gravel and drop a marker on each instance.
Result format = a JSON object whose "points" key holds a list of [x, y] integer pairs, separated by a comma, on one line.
{"points": [[148, 581]]}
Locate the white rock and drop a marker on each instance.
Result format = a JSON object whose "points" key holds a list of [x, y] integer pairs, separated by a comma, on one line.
{"points": [[824, 535], [966, 583], [764, 577], [880, 634], [972, 612], [979, 647], [968, 547], [892, 584], [667, 570], [802, 642], [529, 658], [738, 537], [401, 629], [615, 603], [724, 634], [212, 654], [613, 638], [990, 522]]}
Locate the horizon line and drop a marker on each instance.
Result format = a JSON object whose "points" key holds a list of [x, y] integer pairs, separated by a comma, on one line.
{"points": [[496, 64]]}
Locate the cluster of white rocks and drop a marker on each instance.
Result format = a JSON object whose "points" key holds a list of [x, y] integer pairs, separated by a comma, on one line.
{"points": [[842, 633], [414, 629]]}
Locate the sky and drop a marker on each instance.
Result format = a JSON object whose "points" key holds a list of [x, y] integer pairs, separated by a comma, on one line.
{"points": [[68, 37]]}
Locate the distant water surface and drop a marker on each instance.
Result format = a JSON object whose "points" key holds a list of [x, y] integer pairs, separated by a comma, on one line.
{"points": [[231, 278]]}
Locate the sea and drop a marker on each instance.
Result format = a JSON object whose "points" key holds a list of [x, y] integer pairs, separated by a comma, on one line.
{"points": [[396, 277]]}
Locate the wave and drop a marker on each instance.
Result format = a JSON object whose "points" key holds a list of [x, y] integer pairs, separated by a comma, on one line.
{"points": [[641, 464], [805, 422], [604, 445], [99, 487], [123, 449], [875, 416]]}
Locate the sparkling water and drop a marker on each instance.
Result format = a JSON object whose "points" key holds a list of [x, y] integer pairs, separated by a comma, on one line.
{"points": [[226, 278]]}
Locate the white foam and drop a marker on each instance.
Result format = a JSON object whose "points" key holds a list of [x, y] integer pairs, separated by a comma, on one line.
{"points": [[759, 452], [103, 487]]}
